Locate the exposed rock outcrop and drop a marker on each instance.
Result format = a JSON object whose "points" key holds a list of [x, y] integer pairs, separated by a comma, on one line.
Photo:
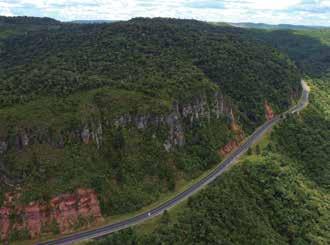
{"points": [[91, 132], [35, 217], [233, 124], [65, 210], [4, 223], [268, 111], [199, 108], [229, 147], [234, 143]]}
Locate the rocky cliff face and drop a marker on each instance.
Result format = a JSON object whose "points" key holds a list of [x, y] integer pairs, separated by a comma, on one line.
{"points": [[233, 144], [66, 210], [22, 138], [200, 107], [229, 147], [268, 111], [92, 132], [63, 211], [4, 222]]}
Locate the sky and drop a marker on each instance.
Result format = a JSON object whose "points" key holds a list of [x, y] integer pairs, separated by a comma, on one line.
{"points": [[302, 12]]}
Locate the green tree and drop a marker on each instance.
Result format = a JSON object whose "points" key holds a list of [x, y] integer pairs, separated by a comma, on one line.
{"points": [[258, 151], [119, 139], [165, 219]]}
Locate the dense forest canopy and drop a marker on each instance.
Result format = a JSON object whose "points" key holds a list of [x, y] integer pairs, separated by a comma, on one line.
{"points": [[308, 48], [15, 26], [130, 109], [24, 20], [161, 57], [279, 193]]}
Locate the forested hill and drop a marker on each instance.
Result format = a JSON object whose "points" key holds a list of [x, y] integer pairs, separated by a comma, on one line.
{"points": [[309, 49], [24, 20], [276, 27], [129, 111], [279, 192], [21, 25], [162, 57]]}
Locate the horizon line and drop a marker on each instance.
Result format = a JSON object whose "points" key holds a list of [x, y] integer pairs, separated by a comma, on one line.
{"points": [[117, 20]]}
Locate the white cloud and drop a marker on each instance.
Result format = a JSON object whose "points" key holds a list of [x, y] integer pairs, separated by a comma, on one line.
{"points": [[324, 3], [6, 12], [264, 4], [5, 9], [275, 5], [270, 11]]}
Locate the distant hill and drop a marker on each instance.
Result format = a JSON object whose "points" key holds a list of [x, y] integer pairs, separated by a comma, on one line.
{"points": [[92, 21], [27, 20], [12, 26], [275, 27]]}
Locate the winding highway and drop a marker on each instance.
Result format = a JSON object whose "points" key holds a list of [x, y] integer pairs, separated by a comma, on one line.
{"points": [[220, 169]]}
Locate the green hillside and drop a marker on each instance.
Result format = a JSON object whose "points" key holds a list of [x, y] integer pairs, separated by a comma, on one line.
{"points": [[11, 26], [279, 192], [277, 196], [309, 49], [129, 109], [155, 56]]}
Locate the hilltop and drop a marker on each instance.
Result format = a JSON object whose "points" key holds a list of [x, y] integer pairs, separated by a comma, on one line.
{"points": [[25, 20], [279, 192], [120, 114], [21, 25]]}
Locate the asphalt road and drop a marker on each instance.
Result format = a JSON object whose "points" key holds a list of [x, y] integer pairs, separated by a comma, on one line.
{"points": [[225, 165]]}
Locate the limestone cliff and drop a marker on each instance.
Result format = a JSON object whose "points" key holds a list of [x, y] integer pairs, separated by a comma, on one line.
{"points": [[199, 108], [91, 132], [66, 210]]}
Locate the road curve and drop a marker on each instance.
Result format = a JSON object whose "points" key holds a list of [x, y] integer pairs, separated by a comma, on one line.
{"points": [[225, 165]]}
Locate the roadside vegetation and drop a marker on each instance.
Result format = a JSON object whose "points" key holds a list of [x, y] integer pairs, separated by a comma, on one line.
{"points": [[56, 79], [279, 192]]}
